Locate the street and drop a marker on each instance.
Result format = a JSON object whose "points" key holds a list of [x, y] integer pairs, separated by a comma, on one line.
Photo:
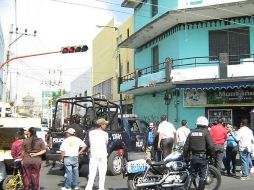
{"points": [[53, 179]]}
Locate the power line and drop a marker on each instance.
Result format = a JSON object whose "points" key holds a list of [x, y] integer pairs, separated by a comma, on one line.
{"points": [[83, 5]]}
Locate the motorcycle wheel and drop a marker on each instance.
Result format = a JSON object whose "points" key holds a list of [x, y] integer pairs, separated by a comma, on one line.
{"points": [[213, 180], [135, 179]]}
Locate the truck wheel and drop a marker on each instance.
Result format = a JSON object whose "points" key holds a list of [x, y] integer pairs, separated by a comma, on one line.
{"points": [[115, 163]]}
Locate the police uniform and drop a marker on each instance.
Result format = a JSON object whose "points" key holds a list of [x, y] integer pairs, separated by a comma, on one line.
{"points": [[198, 144]]}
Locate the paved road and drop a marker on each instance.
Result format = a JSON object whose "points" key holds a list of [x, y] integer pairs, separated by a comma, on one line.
{"points": [[53, 179]]}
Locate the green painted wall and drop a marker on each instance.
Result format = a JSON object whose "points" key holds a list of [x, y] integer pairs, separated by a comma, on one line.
{"points": [[151, 108]]}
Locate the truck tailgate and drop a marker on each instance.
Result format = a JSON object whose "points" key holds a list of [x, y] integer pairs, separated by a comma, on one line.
{"points": [[7, 136]]}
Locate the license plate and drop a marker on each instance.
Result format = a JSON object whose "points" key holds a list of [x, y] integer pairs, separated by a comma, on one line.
{"points": [[136, 167]]}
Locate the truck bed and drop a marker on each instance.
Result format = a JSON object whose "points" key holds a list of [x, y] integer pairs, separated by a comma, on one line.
{"points": [[7, 137]]}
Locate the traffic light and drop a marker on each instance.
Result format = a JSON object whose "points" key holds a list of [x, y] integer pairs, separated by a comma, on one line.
{"points": [[74, 49]]}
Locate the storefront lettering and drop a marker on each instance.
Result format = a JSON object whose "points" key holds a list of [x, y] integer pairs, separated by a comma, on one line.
{"points": [[236, 93]]}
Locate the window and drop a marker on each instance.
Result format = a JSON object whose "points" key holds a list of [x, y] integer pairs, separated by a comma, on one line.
{"points": [[234, 41], [155, 58], [104, 89], [154, 7]]}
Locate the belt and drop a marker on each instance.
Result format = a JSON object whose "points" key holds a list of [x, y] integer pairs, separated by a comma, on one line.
{"points": [[199, 155]]}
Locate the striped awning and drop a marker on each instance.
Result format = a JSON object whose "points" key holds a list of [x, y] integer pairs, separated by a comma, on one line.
{"points": [[224, 85]]}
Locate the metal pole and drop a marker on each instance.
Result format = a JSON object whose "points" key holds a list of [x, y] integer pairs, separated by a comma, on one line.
{"points": [[24, 56], [120, 76], [6, 73]]}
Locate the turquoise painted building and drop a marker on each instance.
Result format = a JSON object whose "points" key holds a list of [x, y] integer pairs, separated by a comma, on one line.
{"points": [[192, 58]]}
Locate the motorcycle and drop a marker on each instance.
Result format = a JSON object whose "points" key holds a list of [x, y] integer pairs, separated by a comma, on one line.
{"points": [[171, 173]]}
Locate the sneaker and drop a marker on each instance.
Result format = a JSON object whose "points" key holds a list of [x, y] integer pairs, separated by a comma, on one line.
{"points": [[63, 188], [243, 178], [252, 170], [76, 188]]}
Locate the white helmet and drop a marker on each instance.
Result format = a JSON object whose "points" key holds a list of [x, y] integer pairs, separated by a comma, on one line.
{"points": [[202, 121]]}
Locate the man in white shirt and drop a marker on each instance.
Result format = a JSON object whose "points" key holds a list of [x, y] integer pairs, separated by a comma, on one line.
{"points": [[98, 140], [69, 157], [182, 133], [245, 141], [167, 133]]}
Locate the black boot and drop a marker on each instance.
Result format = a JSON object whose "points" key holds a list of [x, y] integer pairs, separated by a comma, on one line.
{"points": [[201, 185]]}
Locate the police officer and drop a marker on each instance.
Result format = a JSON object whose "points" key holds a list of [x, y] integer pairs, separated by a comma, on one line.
{"points": [[198, 144]]}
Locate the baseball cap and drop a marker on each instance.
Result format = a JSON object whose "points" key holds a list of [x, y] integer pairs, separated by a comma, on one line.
{"points": [[71, 131], [101, 121], [202, 121]]}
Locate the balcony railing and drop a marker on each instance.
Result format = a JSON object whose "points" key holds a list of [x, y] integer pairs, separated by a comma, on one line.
{"points": [[190, 62]]}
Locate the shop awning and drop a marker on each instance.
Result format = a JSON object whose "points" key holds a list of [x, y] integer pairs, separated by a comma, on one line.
{"points": [[224, 85]]}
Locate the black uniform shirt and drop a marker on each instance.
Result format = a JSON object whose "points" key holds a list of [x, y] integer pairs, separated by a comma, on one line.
{"points": [[198, 141]]}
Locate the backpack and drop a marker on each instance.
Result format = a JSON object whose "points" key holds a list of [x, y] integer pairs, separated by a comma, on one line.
{"points": [[150, 138]]}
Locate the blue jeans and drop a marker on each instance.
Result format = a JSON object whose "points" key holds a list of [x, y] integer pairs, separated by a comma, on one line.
{"points": [[71, 172], [244, 158]]}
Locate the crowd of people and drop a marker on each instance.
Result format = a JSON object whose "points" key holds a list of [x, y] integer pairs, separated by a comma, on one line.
{"points": [[219, 140]]}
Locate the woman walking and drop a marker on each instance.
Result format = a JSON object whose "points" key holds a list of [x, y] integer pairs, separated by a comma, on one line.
{"points": [[32, 150]]}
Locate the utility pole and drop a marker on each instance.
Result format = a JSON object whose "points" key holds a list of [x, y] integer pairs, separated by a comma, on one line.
{"points": [[6, 72], [54, 84], [6, 93]]}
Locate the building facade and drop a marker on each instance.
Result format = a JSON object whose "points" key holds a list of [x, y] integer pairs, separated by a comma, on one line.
{"points": [[81, 86], [110, 63], [192, 58]]}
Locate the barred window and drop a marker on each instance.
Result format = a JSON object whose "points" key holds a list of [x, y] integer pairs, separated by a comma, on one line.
{"points": [[235, 42]]}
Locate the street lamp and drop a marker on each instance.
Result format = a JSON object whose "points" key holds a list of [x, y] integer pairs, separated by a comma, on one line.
{"points": [[100, 26]]}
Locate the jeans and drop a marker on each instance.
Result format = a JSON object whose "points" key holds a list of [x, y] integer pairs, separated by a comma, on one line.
{"points": [[219, 154], [231, 153], [71, 171], [244, 158], [101, 165]]}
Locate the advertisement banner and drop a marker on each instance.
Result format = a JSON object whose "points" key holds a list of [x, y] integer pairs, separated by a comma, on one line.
{"points": [[219, 97]]}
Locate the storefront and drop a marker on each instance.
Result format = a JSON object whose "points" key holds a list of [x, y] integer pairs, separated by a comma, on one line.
{"points": [[231, 101]]}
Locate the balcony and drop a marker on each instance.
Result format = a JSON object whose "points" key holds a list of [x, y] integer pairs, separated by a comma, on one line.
{"points": [[193, 70]]}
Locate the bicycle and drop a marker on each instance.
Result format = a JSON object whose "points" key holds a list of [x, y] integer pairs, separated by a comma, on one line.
{"points": [[15, 181]]}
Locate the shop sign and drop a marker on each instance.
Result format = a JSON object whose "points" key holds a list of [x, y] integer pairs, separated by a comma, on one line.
{"points": [[219, 97]]}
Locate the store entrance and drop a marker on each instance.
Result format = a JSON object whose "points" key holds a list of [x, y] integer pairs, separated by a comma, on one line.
{"points": [[239, 113]]}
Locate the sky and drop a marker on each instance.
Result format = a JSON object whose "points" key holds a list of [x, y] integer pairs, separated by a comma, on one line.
{"points": [[59, 23]]}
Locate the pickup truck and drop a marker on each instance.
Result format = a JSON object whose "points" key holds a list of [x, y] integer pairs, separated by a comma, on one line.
{"points": [[126, 134]]}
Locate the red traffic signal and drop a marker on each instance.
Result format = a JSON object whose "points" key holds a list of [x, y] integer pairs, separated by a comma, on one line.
{"points": [[74, 49]]}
